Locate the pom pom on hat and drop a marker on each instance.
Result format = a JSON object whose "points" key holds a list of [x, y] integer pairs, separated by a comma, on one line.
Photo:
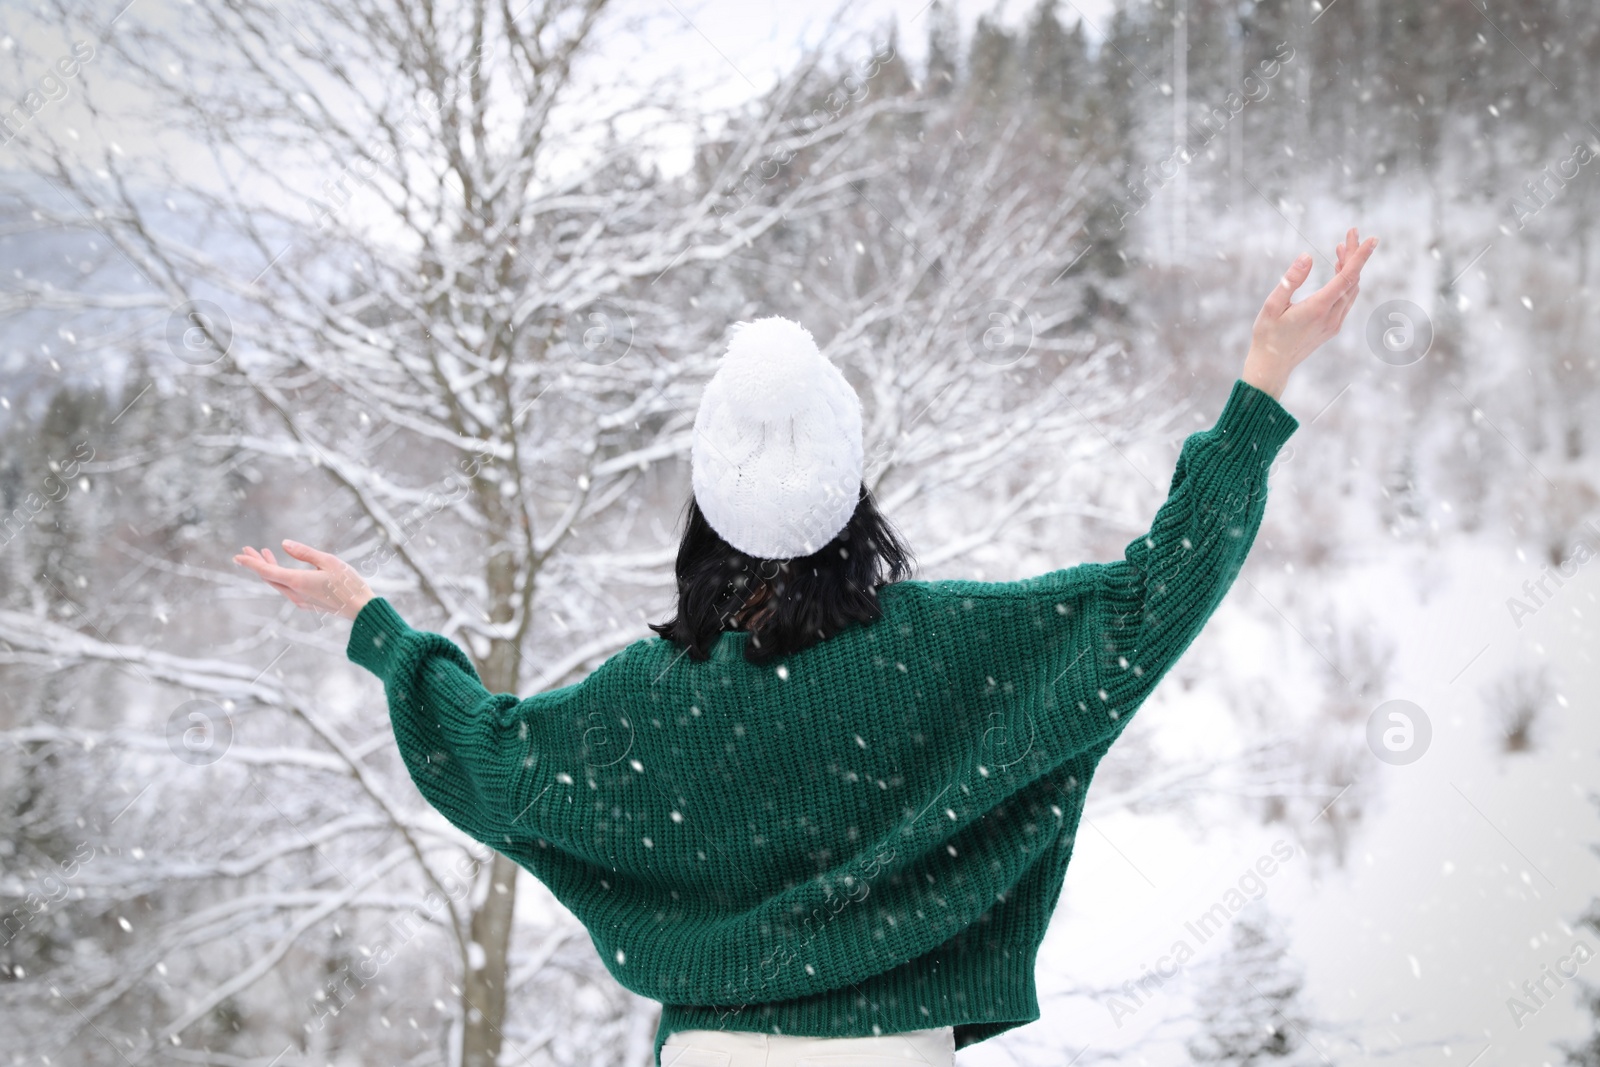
{"points": [[777, 455]]}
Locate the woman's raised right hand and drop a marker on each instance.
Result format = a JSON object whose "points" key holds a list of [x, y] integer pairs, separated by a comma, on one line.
{"points": [[1285, 334]]}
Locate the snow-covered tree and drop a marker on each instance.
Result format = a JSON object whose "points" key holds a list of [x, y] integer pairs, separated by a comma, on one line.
{"points": [[1586, 1053], [409, 281], [1249, 1010], [429, 277], [469, 322]]}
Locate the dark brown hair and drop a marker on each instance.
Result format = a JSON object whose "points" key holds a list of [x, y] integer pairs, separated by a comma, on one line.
{"points": [[784, 604]]}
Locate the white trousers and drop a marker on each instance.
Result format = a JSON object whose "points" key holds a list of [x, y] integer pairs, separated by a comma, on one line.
{"points": [[738, 1048]]}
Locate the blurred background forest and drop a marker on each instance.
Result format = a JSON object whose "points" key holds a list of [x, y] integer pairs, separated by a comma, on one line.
{"points": [[435, 286]]}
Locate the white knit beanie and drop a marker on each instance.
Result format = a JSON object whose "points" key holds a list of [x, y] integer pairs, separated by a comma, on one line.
{"points": [[777, 443]]}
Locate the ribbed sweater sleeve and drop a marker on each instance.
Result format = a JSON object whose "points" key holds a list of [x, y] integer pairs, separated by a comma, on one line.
{"points": [[1154, 601], [470, 752]]}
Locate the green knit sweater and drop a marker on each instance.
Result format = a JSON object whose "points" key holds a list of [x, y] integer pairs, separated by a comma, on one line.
{"points": [[867, 837]]}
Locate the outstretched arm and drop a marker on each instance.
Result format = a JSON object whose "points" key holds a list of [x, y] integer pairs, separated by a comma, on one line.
{"points": [[470, 752], [1155, 600]]}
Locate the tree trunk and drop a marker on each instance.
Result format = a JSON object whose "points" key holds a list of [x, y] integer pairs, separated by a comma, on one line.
{"points": [[483, 995]]}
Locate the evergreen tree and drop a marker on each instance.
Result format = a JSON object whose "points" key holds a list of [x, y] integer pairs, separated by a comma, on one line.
{"points": [[1587, 1052], [1110, 132], [59, 549], [1055, 63], [944, 49], [992, 64], [1250, 1012], [893, 74]]}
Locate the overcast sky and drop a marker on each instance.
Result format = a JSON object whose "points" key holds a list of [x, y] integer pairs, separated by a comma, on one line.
{"points": [[743, 43], [720, 52]]}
